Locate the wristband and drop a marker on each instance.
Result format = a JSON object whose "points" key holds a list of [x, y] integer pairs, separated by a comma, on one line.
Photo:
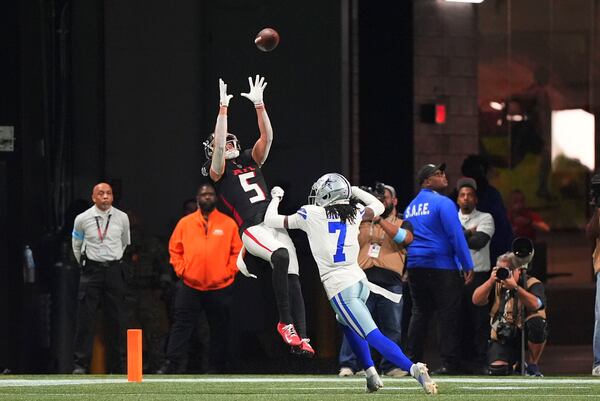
{"points": [[400, 235]]}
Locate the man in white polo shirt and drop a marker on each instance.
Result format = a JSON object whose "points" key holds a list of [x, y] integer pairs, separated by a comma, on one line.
{"points": [[100, 236], [479, 229]]}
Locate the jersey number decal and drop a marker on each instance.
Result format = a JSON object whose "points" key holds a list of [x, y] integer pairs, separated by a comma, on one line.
{"points": [[334, 226], [260, 195]]}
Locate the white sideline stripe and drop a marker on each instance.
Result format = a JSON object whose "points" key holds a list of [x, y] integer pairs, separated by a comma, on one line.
{"points": [[501, 381], [416, 387], [520, 387]]}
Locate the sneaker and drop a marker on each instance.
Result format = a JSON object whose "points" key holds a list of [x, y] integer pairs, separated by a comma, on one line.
{"points": [[396, 372], [445, 370], [288, 332], [361, 373], [596, 371], [79, 370], [345, 372], [374, 383], [420, 372], [169, 368], [533, 370], [304, 349]]}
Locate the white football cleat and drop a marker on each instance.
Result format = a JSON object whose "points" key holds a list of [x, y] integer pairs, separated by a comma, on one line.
{"points": [[420, 372], [374, 383]]}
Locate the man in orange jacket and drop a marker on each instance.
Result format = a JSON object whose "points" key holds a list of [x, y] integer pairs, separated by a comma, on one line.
{"points": [[204, 248]]}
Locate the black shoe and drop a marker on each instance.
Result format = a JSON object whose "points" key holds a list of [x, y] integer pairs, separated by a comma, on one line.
{"points": [[169, 368], [444, 370], [79, 370]]}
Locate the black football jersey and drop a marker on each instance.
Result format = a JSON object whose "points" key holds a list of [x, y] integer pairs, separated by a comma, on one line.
{"points": [[243, 190]]}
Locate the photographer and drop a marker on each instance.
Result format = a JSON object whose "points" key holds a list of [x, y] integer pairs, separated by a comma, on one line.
{"points": [[592, 231], [506, 319]]}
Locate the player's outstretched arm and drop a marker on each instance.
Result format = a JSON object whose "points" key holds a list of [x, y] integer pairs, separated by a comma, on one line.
{"points": [[272, 216], [261, 148], [217, 164], [373, 206]]}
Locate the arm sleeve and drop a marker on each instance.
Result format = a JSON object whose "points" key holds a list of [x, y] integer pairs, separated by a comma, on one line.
{"points": [[272, 216], [78, 236], [176, 250], [369, 200], [484, 233], [478, 240], [217, 163], [538, 290], [407, 225], [451, 225], [260, 152]]}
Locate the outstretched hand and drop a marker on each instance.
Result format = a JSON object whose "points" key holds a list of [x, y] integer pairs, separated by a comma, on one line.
{"points": [[223, 96], [255, 95], [277, 192]]}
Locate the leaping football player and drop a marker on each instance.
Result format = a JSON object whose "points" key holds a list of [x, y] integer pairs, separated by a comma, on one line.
{"points": [[240, 183], [331, 221]]}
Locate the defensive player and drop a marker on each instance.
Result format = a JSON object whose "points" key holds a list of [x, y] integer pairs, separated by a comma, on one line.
{"points": [[331, 221], [241, 186]]}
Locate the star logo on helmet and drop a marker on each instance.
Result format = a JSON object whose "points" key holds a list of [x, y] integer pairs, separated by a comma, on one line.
{"points": [[328, 183]]}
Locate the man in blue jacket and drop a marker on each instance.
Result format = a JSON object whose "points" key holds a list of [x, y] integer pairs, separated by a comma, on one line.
{"points": [[439, 265]]}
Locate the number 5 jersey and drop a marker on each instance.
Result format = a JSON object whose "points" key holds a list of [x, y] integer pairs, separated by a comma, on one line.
{"points": [[243, 190]]}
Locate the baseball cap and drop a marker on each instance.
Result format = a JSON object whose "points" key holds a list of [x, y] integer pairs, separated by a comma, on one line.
{"points": [[391, 189], [466, 182], [428, 170]]}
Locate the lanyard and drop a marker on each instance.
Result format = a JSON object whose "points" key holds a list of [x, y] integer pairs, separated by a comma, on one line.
{"points": [[100, 234]]}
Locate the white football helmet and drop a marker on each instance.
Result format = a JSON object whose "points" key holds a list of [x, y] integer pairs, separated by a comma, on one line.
{"points": [[330, 189], [232, 153]]}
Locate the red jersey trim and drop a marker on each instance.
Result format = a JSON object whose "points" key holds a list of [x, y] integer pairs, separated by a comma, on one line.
{"points": [[253, 238]]}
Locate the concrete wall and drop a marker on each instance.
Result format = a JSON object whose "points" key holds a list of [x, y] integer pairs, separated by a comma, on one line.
{"points": [[445, 68]]}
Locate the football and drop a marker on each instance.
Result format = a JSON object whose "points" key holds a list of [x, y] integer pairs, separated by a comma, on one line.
{"points": [[267, 39]]}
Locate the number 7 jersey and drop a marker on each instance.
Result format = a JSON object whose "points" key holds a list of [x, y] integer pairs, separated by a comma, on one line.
{"points": [[243, 190], [334, 246]]}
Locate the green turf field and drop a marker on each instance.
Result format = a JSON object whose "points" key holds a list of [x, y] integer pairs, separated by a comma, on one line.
{"points": [[290, 387]]}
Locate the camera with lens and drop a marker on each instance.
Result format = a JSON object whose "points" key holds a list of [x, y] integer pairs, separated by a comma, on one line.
{"points": [[378, 190], [595, 190], [523, 252], [505, 331], [503, 273]]}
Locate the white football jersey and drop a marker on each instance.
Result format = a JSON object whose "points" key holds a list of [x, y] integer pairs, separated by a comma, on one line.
{"points": [[334, 246]]}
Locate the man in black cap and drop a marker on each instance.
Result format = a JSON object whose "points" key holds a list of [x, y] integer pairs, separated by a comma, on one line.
{"points": [[439, 264]]}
